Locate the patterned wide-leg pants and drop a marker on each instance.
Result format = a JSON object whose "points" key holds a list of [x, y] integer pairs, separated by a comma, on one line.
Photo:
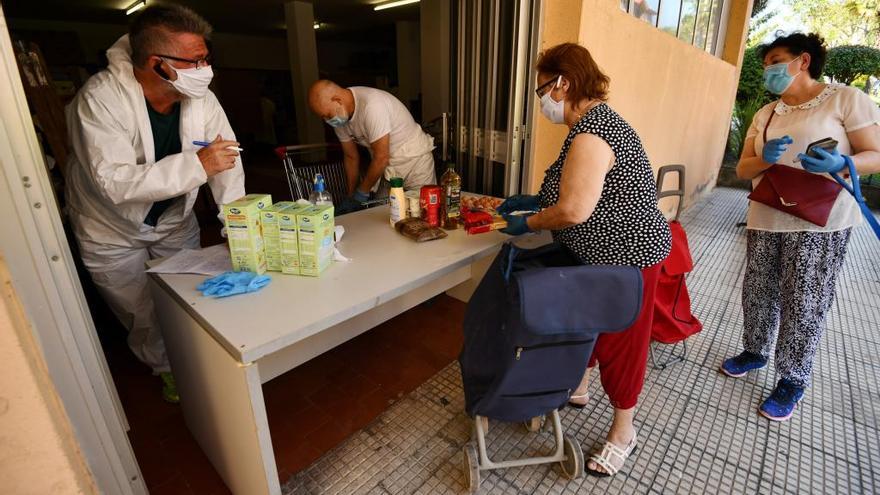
{"points": [[789, 287]]}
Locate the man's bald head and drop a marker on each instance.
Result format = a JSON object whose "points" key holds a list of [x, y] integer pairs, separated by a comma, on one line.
{"points": [[327, 99]]}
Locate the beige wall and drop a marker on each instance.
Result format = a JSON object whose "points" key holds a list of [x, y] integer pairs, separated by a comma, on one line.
{"points": [[677, 97], [38, 451]]}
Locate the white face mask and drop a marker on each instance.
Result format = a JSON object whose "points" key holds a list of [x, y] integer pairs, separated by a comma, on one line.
{"points": [[193, 82], [552, 109]]}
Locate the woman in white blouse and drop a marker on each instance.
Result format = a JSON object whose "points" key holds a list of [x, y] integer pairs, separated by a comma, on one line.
{"points": [[792, 264]]}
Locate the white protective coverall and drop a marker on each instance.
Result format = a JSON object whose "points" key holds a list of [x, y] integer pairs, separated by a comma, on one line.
{"points": [[114, 179]]}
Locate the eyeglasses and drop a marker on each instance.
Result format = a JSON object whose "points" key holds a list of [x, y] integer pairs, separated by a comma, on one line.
{"points": [[204, 62], [540, 89]]}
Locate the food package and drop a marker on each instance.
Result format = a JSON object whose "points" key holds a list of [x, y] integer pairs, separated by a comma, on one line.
{"points": [[244, 233], [419, 230], [485, 203], [478, 221]]}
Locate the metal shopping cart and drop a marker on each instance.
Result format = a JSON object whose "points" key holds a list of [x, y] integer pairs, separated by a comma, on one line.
{"points": [[302, 162]]}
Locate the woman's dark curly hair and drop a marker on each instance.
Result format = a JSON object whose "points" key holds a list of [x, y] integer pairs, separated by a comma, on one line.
{"points": [[799, 43]]}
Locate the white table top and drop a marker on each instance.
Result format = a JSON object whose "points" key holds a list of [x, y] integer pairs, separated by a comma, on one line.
{"points": [[383, 266]]}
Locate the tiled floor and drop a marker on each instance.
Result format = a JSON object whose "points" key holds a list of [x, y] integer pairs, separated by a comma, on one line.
{"points": [[699, 431], [311, 409], [704, 432]]}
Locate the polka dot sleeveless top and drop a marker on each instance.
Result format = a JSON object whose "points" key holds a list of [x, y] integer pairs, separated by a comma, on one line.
{"points": [[626, 228]]}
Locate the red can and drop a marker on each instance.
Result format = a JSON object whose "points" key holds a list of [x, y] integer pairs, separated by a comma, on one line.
{"points": [[430, 202]]}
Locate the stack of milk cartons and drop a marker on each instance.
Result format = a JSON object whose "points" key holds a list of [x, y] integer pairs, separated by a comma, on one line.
{"points": [[244, 232], [289, 237]]}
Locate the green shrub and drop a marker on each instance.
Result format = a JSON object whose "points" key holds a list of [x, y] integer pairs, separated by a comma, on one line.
{"points": [[743, 113], [846, 63], [751, 79]]}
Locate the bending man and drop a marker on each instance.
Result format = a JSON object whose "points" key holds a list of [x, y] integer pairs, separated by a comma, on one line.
{"points": [[379, 122]]}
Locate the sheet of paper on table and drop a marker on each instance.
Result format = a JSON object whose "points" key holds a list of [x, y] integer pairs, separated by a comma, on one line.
{"points": [[212, 261]]}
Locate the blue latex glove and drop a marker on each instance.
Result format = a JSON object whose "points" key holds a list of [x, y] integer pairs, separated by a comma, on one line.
{"points": [[360, 196], [774, 148], [516, 224], [232, 283], [519, 202], [827, 163]]}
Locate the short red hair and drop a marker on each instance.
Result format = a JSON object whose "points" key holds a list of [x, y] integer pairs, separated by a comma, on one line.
{"points": [[576, 65]]}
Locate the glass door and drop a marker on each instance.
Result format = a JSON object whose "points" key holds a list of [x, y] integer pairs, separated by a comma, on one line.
{"points": [[492, 59]]}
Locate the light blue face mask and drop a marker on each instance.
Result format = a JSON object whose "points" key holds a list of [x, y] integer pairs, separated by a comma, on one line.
{"points": [[338, 120], [776, 77]]}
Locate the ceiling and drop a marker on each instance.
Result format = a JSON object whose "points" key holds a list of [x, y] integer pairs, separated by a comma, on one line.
{"points": [[265, 17]]}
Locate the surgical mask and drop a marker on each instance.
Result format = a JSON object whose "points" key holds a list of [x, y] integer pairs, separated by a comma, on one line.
{"points": [[777, 80], [552, 109], [338, 120], [193, 82]]}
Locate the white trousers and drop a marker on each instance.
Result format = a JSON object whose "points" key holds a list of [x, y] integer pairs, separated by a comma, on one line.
{"points": [[416, 172], [116, 264]]}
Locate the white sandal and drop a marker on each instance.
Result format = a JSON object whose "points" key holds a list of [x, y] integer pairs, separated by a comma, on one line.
{"points": [[603, 458], [577, 405]]}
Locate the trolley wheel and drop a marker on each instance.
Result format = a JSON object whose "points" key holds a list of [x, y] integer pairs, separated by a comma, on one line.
{"points": [[535, 424], [573, 465], [471, 467]]}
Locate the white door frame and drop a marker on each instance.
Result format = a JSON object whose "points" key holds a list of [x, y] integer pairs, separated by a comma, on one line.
{"points": [[33, 242]]}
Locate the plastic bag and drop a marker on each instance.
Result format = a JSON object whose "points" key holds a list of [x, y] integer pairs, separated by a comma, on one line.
{"points": [[419, 230]]}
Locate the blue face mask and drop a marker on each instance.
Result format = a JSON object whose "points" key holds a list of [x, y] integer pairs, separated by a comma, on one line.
{"points": [[777, 80], [338, 120]]}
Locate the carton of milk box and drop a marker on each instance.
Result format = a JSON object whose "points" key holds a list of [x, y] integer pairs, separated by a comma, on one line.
{"points": [[316, 225], [271, 234], [243, 232], [288, 238]]}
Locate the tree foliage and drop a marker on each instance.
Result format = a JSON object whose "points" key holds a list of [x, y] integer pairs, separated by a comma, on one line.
{"points": [[841, 22], [758, 7], [751, 79], [846, 63]]}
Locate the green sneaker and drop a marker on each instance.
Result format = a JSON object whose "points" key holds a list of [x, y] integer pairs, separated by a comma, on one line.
{"points": [[169, 388]]}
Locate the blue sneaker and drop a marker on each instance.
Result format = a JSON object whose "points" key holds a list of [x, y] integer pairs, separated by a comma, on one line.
{"points": [[781, 403], [738, 366]]}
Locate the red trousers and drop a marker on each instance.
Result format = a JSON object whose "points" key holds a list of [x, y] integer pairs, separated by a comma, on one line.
{"points": [[623, 356]]}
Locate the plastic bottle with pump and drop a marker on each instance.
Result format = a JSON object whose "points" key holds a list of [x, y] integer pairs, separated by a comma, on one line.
{"points": [[319, 194]]}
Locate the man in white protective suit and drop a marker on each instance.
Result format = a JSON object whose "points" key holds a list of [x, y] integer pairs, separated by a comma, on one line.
{"points": [[134, 172]]}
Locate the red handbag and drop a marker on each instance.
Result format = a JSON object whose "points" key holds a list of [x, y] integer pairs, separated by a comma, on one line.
{"points": [[796, 192]]}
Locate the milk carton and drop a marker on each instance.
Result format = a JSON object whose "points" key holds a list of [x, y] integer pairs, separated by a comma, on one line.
{"points": [[271, 238], [316, 226], [288, 238], [243, 232]]}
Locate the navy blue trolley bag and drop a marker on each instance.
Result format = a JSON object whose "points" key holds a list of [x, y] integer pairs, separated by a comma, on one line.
{"points": [[530, 327]]}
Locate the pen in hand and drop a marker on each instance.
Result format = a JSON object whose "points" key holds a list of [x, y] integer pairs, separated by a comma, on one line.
{"points": [[205, 143]]}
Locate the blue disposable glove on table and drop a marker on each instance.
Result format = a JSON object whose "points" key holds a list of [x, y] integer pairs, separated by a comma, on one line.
{"points": [[232, 283], [774, 148], [827, 163], [519, 202], [516, 224]]}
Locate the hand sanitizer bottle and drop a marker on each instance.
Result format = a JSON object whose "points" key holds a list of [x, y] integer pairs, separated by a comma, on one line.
{"points": [[319, 195]]}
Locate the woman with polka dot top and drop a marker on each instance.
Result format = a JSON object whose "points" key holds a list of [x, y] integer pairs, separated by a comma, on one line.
{"points": [[599, 200]]}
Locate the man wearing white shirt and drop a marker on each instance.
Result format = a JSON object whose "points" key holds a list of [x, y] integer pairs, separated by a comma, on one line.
{"points": [[378, 121]]}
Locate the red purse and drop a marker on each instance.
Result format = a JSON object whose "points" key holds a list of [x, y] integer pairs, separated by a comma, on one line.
{"points": [[796, 192]]}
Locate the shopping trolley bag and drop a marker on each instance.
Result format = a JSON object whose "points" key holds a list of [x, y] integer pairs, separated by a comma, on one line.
{"points": [[530, 327]]}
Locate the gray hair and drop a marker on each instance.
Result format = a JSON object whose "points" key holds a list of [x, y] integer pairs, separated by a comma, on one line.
{"points": [[149, 31]]}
